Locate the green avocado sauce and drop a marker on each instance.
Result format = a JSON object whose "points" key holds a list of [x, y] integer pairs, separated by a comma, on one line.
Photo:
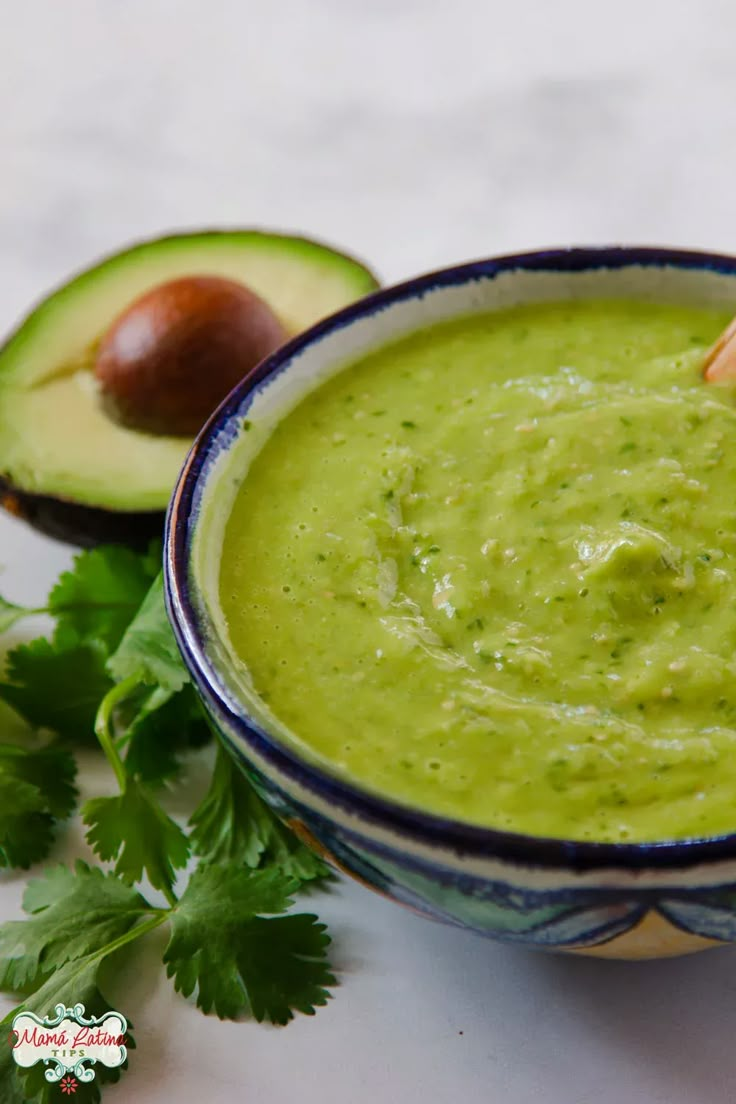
{"points": [[490, 571]]}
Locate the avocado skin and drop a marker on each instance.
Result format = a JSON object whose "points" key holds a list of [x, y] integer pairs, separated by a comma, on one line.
{"points": [[83, 526]]}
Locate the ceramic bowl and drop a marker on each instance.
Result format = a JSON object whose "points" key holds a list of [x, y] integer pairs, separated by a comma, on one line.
{"points": [[618, 900]]}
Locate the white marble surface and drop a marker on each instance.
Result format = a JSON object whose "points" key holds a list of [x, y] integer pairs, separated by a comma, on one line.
{"points": [[415, 133]]}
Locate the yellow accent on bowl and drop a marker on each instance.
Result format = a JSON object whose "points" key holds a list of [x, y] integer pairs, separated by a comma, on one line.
{"points": [[652, 937]]}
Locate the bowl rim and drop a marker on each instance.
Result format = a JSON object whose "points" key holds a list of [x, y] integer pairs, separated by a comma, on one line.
{"points": [[457, 836]]}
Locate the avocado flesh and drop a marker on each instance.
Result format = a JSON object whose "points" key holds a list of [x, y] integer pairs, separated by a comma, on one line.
{"points": [[57, 442], [60, 442]]}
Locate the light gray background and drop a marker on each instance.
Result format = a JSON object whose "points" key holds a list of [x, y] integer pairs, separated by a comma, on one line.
{"points": [[415, 133]]}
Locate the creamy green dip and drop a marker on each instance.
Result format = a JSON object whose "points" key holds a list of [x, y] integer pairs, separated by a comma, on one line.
{"points": [[490, 571]]}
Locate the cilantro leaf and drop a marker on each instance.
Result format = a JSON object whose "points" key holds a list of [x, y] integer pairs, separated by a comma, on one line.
{"points": [[287, 852], [151, 558], [10, 614], [224, 829], [50, 769], [233, 823], [36, 787], [133, 829], [26, 831], [164, 727], [99, 597], [148, 648], [57, 687], [72, 913], [286, 968], [73, 982], [12, 1080], [53, 883], [236, 958]]}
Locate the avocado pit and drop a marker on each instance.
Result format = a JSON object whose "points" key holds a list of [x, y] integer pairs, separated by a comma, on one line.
{"points": [[171, 357]]}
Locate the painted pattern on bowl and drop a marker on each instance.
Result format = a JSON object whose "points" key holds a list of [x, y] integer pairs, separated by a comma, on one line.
{"points": [[615, 900]]}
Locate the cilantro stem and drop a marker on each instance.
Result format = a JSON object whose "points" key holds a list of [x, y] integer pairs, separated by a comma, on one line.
{"points": [[103, 721], [81, 964], [160, 915], [170, 897], [10, 614]]}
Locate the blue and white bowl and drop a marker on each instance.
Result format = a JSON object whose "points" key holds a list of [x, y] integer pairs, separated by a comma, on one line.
{"points": [[617, 900]]}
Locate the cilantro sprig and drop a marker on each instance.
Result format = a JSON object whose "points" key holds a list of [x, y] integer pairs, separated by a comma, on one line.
{"points": [[233, 823], [10, 613], [228, 941], [218, 945], [111, 675]]}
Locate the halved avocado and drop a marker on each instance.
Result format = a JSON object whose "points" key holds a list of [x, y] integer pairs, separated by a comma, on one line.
{"points": [[65, 465]]}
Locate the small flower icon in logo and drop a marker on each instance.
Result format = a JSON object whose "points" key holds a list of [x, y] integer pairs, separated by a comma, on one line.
{"points": [[68, 1085]]}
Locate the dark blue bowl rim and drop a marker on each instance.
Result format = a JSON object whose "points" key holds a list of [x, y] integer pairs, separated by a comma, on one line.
{"points": [[464, 839]]}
